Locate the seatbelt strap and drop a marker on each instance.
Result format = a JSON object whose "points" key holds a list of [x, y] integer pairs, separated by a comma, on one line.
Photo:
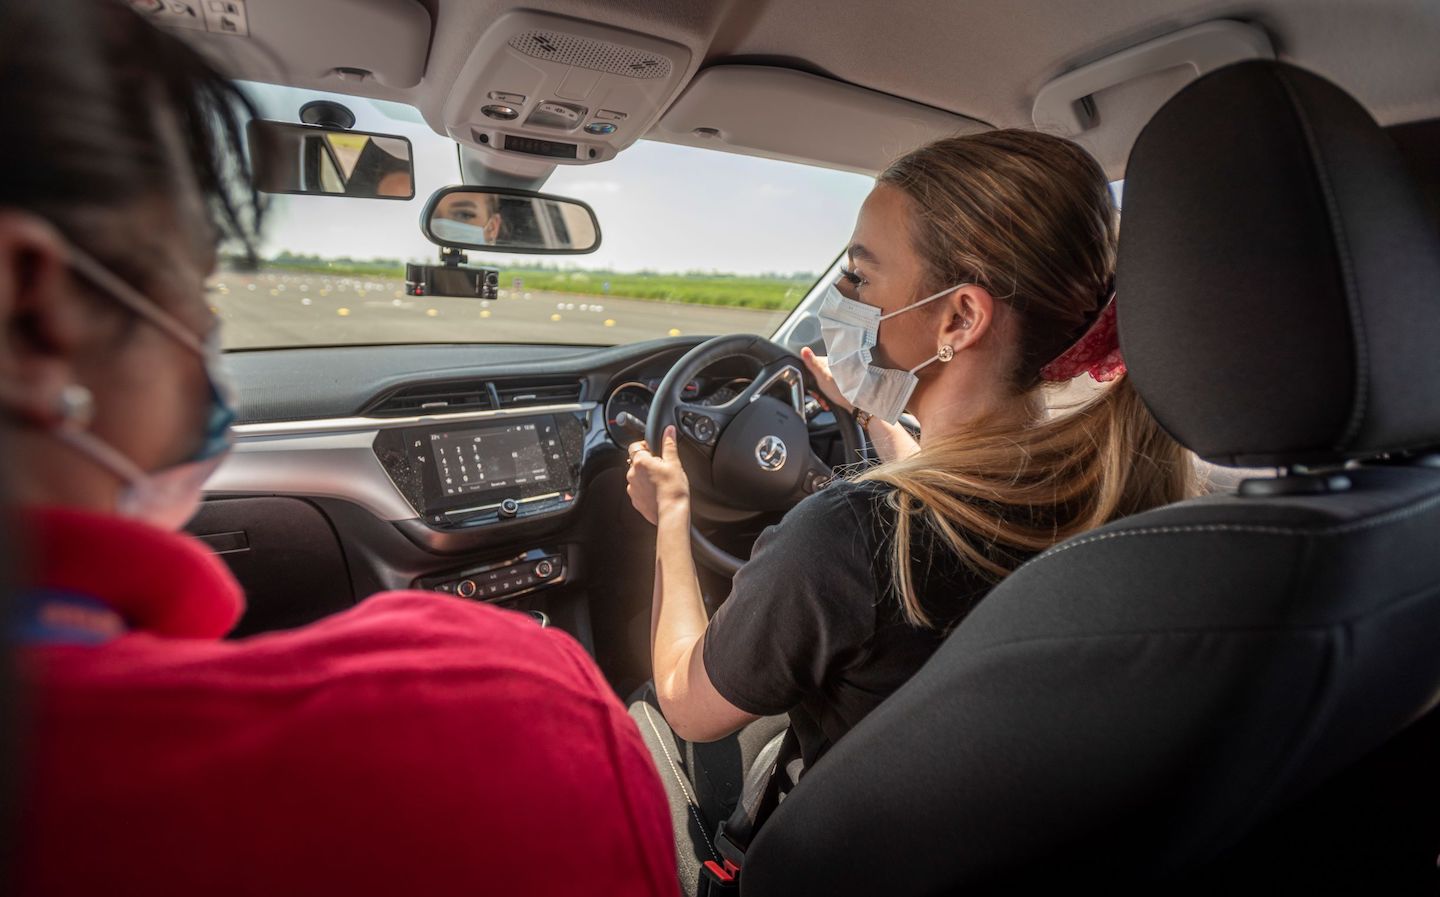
{"points": [[757, 802]]}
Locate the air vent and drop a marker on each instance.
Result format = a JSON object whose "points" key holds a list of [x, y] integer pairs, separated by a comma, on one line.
{"points": [[596, 55], [518, 394], [435, 398]]}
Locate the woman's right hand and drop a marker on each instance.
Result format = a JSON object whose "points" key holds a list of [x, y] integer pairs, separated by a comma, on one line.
{"points": [[820, 369]]}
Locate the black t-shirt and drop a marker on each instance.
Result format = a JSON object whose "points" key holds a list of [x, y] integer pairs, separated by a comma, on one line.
{"points": [[813, 627]]}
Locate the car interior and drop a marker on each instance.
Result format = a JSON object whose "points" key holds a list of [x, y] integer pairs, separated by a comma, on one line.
{"points": [[1234, 692]]}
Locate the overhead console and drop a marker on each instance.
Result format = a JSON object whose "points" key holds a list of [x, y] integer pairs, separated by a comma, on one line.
{"points": [[541, 89]]}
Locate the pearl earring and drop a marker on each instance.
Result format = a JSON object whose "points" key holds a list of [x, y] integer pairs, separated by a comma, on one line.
{"points": [[947, 352], [75, 406]]}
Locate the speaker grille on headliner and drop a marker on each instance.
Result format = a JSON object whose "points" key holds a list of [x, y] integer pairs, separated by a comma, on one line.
{"points": [[596, 55]]}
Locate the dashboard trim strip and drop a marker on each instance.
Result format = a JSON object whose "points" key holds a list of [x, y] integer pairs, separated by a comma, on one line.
{"points": [[332, 465], [346, 424]]}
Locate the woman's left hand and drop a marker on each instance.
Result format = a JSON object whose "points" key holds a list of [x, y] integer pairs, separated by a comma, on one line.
{"points": [[657, 483]]}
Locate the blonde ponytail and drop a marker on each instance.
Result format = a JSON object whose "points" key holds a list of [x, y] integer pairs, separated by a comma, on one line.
{"points": [[1030, 217], [995, 496]]}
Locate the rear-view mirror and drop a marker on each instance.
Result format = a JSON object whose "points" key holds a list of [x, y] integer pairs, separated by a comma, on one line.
{"points": [[292, 158], [506, 220]]}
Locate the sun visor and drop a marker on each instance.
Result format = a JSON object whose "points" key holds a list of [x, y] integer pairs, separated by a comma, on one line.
{"points": [[781, 113], [335, 45], [540, 90]]}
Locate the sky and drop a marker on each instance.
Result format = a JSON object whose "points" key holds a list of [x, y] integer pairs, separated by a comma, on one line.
{"points": [[661, 207]]}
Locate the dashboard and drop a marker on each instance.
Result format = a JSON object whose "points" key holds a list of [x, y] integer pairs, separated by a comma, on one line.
{"points": [[634, 397], [494, 473]]}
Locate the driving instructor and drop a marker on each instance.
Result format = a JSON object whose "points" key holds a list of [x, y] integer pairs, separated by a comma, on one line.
{"points": [[413, 744], [979, 279]]}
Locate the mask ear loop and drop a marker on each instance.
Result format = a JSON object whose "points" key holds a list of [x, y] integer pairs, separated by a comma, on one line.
{"points": [[108, 457], [945, 352], [914, 305], [129, 297]]}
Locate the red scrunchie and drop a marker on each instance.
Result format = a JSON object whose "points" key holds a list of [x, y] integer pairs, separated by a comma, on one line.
{"points": [[1096, 353]]}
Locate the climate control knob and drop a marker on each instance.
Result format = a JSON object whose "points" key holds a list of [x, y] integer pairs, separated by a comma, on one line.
{"points": [[544, 569], [509, 508], [466, 588]]}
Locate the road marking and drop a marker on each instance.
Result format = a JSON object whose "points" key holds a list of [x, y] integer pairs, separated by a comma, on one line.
{"points": [[554, 317], [342, 312], [609, 322], [485, 313], [432, 312], [674, 331]]}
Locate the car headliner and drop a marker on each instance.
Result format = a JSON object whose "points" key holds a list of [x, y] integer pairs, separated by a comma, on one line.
{"points": [[984, 59]]}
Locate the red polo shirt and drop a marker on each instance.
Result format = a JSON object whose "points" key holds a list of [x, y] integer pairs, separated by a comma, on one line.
{"points": [[417, 744]]}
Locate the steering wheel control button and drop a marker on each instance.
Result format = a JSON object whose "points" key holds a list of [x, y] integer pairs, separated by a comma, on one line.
{"points": [[544, 569], [699, 427], [814, 482], [466, 588], [705, 429], [509, 508]]}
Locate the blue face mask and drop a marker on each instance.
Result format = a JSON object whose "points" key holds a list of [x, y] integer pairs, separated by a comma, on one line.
{"points": [[168, 497]]}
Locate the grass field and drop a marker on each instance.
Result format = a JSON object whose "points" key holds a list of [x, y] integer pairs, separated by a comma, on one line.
{"points": [[773, 293]]}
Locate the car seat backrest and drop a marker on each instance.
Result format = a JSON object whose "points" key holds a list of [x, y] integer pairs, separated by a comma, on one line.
{"points": [[1132, 704]]}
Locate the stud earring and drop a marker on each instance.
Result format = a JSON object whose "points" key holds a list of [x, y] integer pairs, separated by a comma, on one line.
{"points": [[947, 352], [75, 406]]}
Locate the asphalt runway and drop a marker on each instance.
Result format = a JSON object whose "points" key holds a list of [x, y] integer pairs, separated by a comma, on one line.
{"points": [[278, 309]]}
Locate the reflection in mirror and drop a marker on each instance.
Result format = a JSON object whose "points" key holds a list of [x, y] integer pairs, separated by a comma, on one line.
{"points": [[508, 220], [291, 158]]}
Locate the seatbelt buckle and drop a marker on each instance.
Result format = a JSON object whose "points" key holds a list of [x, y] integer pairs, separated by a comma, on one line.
{"points": [[723, 876], [718, 878], [732, 854]]}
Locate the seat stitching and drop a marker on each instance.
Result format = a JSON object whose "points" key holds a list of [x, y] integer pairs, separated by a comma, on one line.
{"points": [[1347, 266], [1339, 529], [684, 786]]}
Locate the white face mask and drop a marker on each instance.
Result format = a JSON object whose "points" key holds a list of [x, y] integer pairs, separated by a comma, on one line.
{"points": [[851, 330], [452, 231], [165, 498]]}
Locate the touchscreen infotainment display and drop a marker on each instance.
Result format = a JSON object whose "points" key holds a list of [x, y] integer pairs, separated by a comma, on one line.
{"points": [[474, 460], [447, 470]]}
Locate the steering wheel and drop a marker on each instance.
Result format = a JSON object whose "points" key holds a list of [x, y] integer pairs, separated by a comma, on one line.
{"points": [[753, 452]]}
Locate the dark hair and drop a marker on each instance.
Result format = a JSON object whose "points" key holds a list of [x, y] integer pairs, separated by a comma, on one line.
{"points": [[103, 109]]}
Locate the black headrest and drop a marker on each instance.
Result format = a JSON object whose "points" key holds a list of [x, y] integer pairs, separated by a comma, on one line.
{"points": [[1419, 144], [1278, 280]]}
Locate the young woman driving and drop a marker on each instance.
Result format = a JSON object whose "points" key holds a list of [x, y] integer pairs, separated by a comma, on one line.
{"points": [[980, 272]]}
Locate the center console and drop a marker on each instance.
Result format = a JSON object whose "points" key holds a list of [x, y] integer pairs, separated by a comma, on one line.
{"points": [[487, 469], [502, 580]]}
